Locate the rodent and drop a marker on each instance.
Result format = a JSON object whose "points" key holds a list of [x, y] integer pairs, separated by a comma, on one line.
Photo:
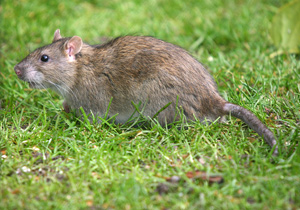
{"points": [[128, 69]]}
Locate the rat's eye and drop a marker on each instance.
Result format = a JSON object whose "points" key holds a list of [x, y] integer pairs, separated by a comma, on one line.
{"points": [[45, 58]]}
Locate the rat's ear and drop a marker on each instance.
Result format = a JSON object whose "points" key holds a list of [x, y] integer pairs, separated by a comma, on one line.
{"points": [[57, 35], [73, 46]]}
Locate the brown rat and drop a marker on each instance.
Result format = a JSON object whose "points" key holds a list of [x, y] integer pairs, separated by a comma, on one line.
{"points": [[130, 69]]}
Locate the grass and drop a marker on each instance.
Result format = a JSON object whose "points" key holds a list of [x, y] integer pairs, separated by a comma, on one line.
{"points": [[51, 160]]}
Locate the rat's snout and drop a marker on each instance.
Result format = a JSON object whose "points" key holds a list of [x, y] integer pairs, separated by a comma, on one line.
{"points": [[18, 70]]}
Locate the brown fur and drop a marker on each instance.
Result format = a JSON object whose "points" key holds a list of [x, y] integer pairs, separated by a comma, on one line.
{"points": [[128, 69]]}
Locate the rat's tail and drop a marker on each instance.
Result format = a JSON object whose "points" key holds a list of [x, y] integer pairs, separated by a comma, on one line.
{"points": [[253, 122]]}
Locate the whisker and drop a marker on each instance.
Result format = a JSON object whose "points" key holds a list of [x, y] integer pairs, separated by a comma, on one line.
{"points": [[59, 88], [63, 89], [30, 80]]}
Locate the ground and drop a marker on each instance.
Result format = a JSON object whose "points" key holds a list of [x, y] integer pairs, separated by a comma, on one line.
{"points": [[50, 159]]}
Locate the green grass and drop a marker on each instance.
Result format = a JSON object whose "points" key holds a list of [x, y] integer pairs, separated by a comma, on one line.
{"points": [[51, 160]]}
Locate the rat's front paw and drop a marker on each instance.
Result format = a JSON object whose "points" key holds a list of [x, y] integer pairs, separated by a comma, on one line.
{"points": [[66, 107]]}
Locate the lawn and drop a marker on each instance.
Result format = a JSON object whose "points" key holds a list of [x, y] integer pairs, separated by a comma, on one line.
{"points": [[52, 160]]}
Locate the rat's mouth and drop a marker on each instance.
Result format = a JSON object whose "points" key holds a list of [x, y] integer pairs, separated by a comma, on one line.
{"points": [[33, 84], [36, 85]]}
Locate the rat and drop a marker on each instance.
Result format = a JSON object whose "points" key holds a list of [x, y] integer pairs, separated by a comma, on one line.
{"points": [[109, 78]]}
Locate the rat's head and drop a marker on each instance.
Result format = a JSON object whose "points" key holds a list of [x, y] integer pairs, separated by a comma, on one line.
{"points": [[52, 66]]}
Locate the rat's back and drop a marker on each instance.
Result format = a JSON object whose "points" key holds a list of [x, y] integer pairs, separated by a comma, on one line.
{"points": [[155, 72]]}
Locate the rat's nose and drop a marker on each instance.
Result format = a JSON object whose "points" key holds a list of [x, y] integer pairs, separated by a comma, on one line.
{"points": [[18, 70]]}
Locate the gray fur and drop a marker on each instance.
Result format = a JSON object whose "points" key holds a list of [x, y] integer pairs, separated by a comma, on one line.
{"points": [[131, 69]]}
